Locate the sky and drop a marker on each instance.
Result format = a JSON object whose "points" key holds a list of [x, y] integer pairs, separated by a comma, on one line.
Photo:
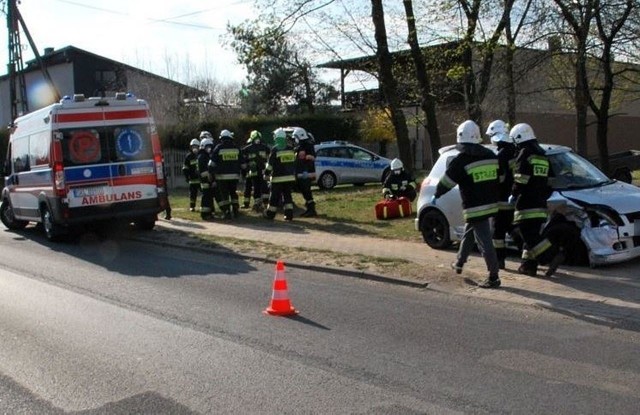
{"points": [[178, 39]]}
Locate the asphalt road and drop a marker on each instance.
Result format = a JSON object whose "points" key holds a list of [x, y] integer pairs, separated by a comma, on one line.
{"points": [[115, 326]]}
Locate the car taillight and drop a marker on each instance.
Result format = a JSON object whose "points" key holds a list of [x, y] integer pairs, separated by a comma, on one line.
{"points": [[58, 169]]}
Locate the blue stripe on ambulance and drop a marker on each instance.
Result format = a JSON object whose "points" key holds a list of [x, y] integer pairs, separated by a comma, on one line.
{"points": [[106, 171]]}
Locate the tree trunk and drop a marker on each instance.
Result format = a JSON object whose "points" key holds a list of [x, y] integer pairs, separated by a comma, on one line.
{"points": [[427, 103], [389, 85]]}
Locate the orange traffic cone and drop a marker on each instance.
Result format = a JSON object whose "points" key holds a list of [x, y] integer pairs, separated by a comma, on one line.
{"points": [[280, 303]]}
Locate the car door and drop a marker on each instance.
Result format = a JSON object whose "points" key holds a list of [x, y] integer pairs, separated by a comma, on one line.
{"points": [[364, 168]]}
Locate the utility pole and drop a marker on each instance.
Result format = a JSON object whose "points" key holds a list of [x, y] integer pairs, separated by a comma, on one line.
{"points": [[15, 67], [17, 84]]}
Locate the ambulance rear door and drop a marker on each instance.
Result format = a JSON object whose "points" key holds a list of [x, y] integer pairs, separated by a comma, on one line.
{"points": [[108, 156]]}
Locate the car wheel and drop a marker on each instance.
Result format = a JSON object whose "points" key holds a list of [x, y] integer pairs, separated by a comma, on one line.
{"points": [[327, 180], [435, 229], [52, 231], [566, 235], [8, 218]]}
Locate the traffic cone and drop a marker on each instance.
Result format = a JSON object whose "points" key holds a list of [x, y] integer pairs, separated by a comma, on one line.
{"points": [[280, 303]]}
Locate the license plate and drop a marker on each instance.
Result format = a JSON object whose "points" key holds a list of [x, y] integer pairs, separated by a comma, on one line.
{"points": [[88, 191]]}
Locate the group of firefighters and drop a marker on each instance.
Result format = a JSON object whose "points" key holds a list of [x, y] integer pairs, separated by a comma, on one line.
{"points": [[214, 167], [511, 187]]}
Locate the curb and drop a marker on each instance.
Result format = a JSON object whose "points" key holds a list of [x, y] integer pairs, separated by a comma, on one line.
{"points": [[293, 264]]}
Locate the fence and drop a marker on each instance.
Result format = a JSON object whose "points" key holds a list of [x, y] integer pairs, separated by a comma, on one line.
{"points": [[173, 161]]}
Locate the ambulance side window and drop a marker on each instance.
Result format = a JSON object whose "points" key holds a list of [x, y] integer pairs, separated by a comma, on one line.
{"points": [[39, 145], [20, 154]]}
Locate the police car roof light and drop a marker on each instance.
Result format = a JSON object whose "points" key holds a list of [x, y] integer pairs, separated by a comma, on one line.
{"points": [[78, 97]]}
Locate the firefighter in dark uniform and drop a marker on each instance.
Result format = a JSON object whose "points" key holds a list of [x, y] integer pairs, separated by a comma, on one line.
{"points": [[475, 171], [498, 131], [226, 165], [191, 173], [399, 183], [206, 180], [305, 169], [255, 158], [280, 171], [530, 193]]}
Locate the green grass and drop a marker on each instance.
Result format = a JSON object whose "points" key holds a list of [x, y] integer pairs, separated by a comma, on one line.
{"points": [[343, 210]]}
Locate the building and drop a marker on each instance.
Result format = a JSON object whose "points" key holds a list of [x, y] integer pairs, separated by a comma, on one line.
{"points": [[541, 99], [76, 71]]}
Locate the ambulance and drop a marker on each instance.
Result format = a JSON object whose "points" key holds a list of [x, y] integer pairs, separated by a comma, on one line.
{"points": [[84, 161]]}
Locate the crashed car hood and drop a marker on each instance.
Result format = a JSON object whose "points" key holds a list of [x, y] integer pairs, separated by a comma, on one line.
{"points": [[622, 197]]}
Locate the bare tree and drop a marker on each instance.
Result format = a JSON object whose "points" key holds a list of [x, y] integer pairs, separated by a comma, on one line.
{"points": [[428, 101], [389, 85]]}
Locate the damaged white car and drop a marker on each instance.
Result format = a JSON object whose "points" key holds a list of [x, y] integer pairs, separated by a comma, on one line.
{"points": [[598, 218]]}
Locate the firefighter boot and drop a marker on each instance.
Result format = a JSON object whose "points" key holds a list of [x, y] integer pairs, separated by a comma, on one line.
{"points": [[288, 214], [311, 211], [529, 267]]}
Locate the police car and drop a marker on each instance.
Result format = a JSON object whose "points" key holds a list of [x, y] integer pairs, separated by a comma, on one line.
{"points": [[340, 162]]}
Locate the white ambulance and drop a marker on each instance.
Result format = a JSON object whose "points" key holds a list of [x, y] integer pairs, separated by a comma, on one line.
{"points": [[84, 161]]}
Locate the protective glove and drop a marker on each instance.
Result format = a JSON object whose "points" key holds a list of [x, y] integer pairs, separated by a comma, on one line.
{"points": [[433, 200], [511, 200]]}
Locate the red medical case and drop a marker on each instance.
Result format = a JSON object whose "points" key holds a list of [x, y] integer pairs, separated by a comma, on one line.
{"points": [[393, 208]]}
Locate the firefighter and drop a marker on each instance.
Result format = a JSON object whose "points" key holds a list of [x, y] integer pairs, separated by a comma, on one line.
{"points": [[399, 183], [529, 193], [226, 165], [280, 172], [191, 173], [498, 131], [475, 170], [305, 169], [255, 158], [207, 208]]}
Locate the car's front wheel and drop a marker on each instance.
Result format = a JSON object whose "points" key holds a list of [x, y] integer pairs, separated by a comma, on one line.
{"points": [[435, 229], [8, 218], [327, 180]]}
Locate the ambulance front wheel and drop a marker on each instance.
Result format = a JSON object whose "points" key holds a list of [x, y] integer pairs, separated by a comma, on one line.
{"points": [[8, 218]]}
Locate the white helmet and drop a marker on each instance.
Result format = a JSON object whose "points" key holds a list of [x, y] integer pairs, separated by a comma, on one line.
{"points": [[205, 134], [194, 143], [226, 134], [206, 142], [522, 132], [498, 130], [299, 134], [469, 132], [396, 164]]}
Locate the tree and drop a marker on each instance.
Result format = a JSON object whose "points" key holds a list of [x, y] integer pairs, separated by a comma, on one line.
{"points": [[579, 16], [389, 85], [611, 21], [278, 74], [376, 126], [428, 101]]}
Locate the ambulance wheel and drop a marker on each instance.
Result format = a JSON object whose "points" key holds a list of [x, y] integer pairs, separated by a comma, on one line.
{"points": [[8, 218], [435, 229], [52, 231], [327, 180], [145, 224]]}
